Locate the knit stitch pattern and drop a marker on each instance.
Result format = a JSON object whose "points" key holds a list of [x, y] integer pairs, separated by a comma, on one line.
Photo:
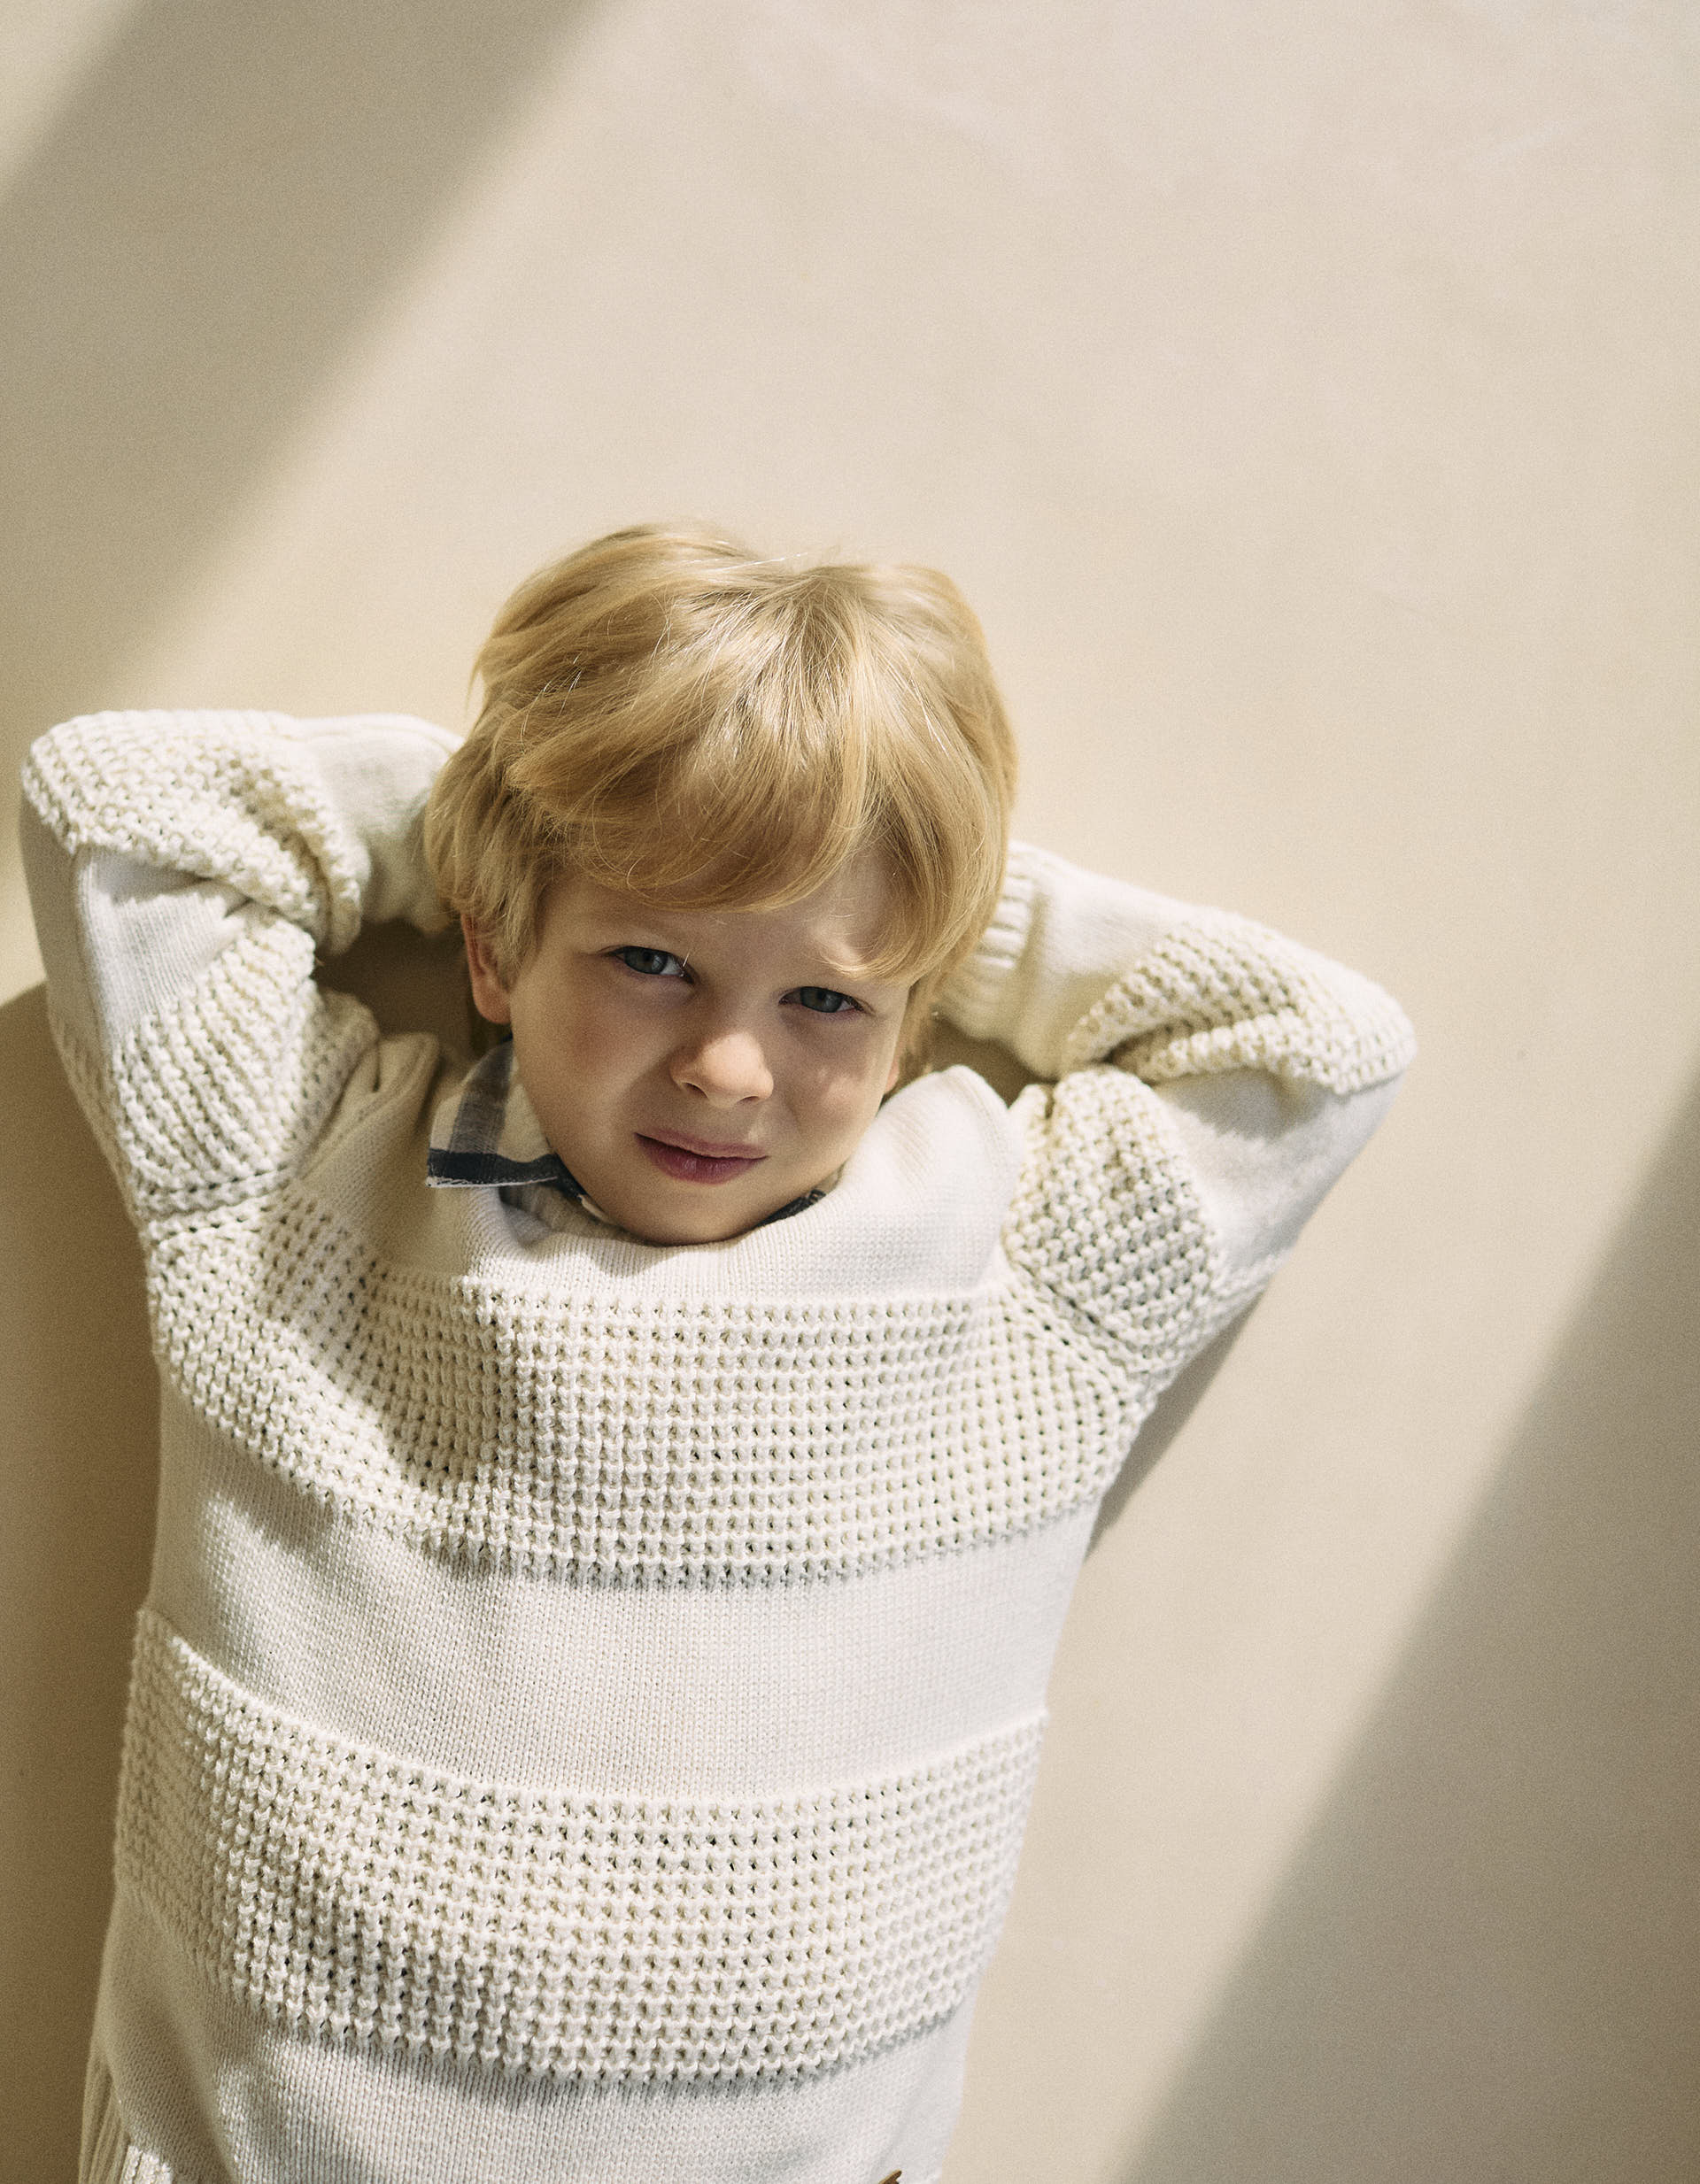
{"points": [[658, 1439], [1224, 993], [242, 808], [232, 1084], [1107, 1224], [356, 1896]]}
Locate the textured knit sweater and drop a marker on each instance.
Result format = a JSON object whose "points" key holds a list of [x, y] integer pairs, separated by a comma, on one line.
{"points": [[589, 1692]]}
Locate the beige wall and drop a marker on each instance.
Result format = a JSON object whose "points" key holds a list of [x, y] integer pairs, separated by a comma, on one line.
{"points": [[1306, 396]]}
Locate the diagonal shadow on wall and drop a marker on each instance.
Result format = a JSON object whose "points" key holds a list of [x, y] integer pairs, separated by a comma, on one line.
{"points": [[1485, 1963], [216, 213]]}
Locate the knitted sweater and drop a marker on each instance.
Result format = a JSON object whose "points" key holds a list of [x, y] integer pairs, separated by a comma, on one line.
{"points": [[589, 1692]]}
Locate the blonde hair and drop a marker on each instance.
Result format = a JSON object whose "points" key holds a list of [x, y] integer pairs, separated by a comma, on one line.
{"points": [[665, 715]]}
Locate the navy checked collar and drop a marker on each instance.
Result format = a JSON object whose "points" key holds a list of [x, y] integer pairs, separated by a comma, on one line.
{"points": [[486, 1135]]}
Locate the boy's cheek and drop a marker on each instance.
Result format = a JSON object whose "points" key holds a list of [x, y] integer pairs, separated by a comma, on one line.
{"points": [[574, 1043]]}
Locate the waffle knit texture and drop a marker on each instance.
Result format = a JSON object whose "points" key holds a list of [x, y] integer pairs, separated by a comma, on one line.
{"points": [[589, 1692]]}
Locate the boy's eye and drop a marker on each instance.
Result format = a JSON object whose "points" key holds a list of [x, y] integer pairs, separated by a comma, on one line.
{"points": [[824, 1001], [652, 962]]}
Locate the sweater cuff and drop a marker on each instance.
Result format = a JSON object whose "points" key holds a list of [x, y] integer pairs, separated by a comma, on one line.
{"points": [[377, 771], [973, 992]]}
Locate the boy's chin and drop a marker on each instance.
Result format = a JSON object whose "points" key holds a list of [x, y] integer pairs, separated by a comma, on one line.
{"points": [[660, 1218], [658, 1229]]}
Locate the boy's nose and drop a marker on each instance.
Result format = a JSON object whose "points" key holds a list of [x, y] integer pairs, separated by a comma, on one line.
{"points": [[726, 1067]]}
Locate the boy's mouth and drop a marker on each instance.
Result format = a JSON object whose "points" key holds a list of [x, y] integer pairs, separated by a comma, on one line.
{"points": [[696, 1160]]}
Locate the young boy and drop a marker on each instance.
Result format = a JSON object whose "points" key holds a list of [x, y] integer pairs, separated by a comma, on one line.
{"points": [[591, 1680]]}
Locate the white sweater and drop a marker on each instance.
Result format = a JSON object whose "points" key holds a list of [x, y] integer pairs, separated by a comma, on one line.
{"points": [[589, 1692]]}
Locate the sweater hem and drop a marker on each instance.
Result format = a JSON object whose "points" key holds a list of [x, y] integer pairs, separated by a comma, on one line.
{"points": [[109, 2155]]}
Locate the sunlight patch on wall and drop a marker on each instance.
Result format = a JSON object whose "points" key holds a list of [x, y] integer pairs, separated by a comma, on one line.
{"points": [[46, 48]]}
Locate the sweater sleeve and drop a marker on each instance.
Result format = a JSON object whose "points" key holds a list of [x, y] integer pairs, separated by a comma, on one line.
{"points": [[185, 870], [1205, 1082]]}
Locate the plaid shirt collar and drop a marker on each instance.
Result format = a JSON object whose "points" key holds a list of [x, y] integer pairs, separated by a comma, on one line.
{"points": [[487, 1135]]}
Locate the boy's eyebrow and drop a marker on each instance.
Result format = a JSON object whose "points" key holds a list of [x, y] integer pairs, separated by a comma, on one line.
{"points": [[604, 920], [857, 971]]}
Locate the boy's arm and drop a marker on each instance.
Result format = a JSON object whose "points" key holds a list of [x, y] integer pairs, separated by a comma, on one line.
{"points": [[184, 870], [1161, 1191]]}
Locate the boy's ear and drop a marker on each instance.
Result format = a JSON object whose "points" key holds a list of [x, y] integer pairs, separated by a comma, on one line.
{"points": [[489, 996]]}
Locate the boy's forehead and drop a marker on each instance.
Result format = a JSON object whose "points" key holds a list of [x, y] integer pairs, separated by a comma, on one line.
{"points": [[843, 917]]}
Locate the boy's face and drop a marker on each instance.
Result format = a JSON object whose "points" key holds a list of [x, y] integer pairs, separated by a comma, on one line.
{"points": [[698, 1069]]}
